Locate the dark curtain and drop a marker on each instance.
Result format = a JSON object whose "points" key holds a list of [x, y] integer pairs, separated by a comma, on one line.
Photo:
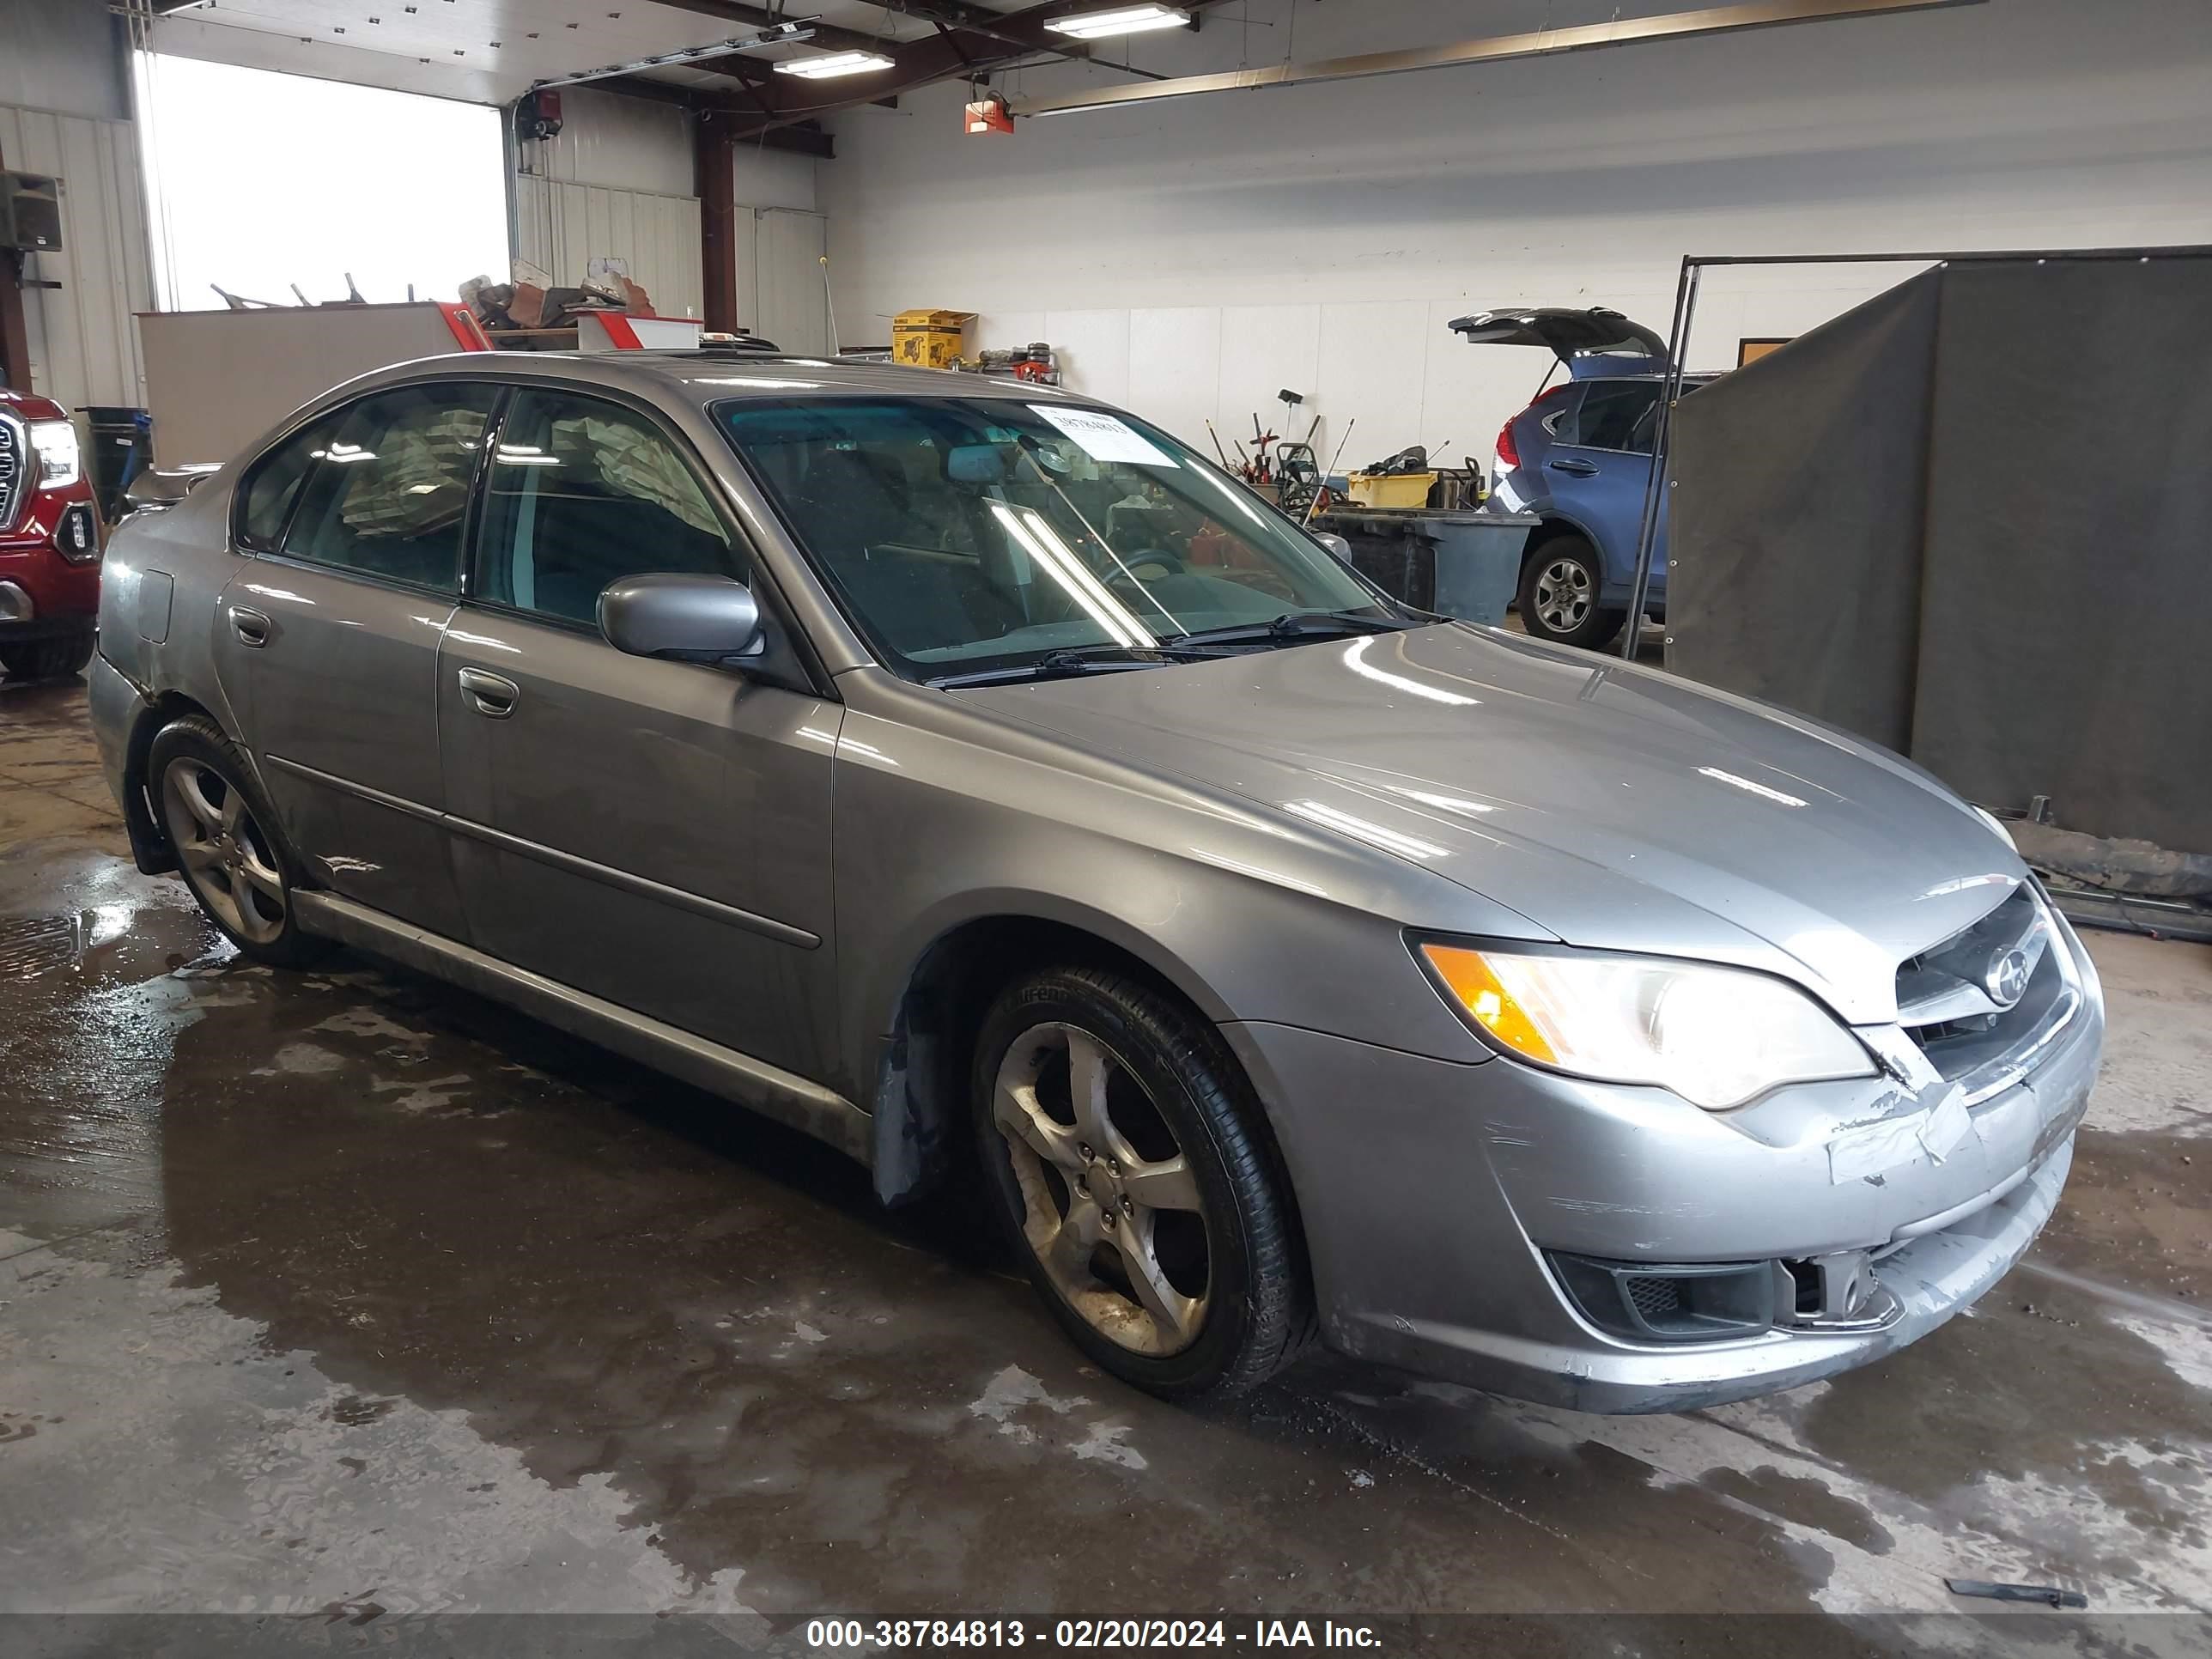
{"points": [[1971, 520]]}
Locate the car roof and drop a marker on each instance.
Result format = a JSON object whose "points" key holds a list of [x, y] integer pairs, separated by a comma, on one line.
{"points": [[709, 376]]}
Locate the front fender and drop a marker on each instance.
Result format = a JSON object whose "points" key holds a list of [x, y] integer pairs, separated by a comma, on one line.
{"points": [[946, 815]]}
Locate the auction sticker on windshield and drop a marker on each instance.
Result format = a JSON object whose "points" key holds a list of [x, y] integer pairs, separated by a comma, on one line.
{"points": [[1103, 438]]}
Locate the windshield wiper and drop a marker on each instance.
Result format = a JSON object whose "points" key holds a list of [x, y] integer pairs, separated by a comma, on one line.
{"points": [[1297, 625], [1082, 659]]}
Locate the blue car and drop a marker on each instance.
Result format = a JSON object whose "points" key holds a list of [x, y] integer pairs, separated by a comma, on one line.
{"points": [[1579, 456]]}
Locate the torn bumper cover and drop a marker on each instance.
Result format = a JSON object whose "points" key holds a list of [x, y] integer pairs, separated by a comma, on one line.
{"points": [[1613, 1249]]}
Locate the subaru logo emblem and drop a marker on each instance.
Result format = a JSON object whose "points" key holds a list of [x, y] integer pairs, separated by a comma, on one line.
{"points": [[2007, 979]]}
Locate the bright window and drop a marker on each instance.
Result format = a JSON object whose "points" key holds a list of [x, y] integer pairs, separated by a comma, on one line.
{"points": [[260, 180]]}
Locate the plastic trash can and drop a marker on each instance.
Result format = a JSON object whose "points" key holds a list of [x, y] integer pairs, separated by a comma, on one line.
{"points": [[1479, 563]]}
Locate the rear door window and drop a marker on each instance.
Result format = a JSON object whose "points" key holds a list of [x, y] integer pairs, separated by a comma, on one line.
{"points": [[389, 494], [1614, 415]]}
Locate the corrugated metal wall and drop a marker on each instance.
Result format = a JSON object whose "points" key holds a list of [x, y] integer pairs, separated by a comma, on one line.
{"points": [[84, 342], [624, 143], [563, 226]]}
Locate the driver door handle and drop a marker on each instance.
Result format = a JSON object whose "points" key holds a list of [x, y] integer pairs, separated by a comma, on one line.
{"points": [[251, 627], [487, 693]]}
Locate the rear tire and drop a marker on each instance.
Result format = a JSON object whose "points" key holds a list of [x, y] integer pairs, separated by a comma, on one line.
{"points": [[1125, 1155], [47, 660], [227, 850], [1558, 597]]}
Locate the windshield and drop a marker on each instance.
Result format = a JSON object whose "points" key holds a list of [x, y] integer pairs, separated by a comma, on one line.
{"points": [[967, 535]]}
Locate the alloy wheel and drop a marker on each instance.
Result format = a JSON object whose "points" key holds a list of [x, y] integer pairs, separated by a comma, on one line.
{"points": [[1563, 595], [225, 853], [1110, 1205]]}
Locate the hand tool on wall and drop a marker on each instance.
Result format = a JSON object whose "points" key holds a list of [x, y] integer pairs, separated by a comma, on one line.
{"points": [[1217, 449], [1322, 494]]}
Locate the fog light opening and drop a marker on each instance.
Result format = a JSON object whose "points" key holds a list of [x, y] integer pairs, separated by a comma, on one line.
{"points": [[1838, 1291], [1700, 1302]]}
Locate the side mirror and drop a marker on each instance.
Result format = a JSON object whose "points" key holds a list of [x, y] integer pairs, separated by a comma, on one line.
{"points": [[1334, 544], [155, 489], [687, 618]]}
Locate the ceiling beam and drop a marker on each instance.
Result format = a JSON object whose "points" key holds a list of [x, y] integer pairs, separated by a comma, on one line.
{"points": [[969, 30], [1538, 43], [966, 17], [951, 53], [800, 137], [827, 36]]}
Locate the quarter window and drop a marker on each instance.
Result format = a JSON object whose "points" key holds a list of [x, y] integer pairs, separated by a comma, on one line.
{"points": [[581, 494], [390, 489], [265, 501], [1616, 414]]}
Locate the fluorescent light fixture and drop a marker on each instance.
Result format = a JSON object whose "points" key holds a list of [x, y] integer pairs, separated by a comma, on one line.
{"points": [[837, 62], [1122, 20]]}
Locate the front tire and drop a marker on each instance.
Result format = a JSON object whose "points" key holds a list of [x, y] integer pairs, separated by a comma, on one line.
{"points": [[1558, 596], [222, 830], [1125, 1157], [47, 660]]}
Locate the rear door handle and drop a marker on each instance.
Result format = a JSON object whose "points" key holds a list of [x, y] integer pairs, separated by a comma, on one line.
{"points": [[1580, 469], [487, 693], [251, 627]]}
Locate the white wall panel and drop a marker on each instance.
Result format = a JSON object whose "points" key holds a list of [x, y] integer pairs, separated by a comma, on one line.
{"points": [[790, 304], [1374, 371], [563, 226], [1266, 349], [1094, 351], [1580, 179], [84, 343], [1455, 417], [1174, 369]]}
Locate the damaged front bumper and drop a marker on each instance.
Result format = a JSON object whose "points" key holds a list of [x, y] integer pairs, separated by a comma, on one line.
{"points": [[1464, 1221]]}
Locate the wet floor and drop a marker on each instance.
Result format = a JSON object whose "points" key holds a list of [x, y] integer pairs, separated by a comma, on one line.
{"points": [[344, 1290]]}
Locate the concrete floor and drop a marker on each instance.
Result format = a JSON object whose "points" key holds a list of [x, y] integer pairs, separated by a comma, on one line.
{"points": [[345, 1292]]}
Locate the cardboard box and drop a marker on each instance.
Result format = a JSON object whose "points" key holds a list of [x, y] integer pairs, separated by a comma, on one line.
{"points": [[929, 339]]}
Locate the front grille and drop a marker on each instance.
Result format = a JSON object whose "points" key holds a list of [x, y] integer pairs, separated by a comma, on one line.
{"points": [[1952, 999], [11, 468]]}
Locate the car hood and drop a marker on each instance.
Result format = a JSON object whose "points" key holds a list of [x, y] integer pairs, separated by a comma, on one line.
{"points": [[29, 406], [1615, 807]]}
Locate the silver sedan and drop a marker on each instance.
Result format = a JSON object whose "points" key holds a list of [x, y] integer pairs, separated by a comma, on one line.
{"points": [[979, 780]]}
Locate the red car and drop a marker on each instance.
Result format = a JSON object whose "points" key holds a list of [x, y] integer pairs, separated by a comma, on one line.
{"points": [[49, 542]]}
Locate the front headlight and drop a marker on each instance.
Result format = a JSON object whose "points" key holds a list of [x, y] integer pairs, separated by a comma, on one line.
{"points": [[1716, 1037], [60, 463]]}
